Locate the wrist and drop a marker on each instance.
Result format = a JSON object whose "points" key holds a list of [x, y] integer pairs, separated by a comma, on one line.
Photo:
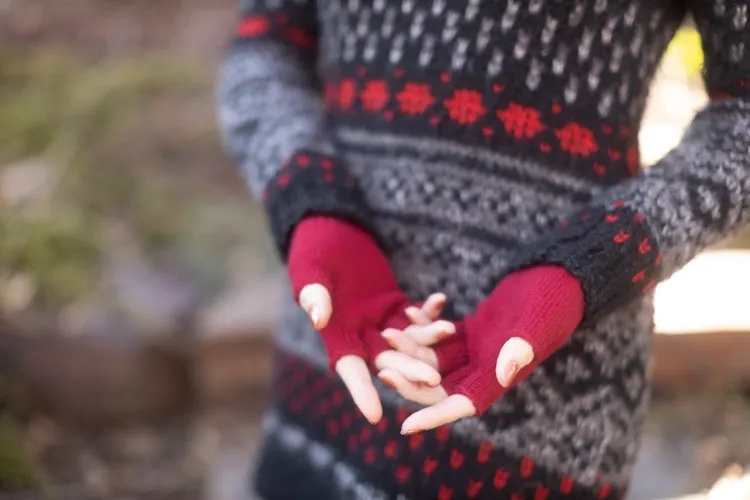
{"points": [[323, 249], [311, 184], [543, 305]]}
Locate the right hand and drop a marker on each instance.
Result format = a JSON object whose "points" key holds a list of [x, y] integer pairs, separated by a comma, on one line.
{"points": [[344, 282], [530, 314]]}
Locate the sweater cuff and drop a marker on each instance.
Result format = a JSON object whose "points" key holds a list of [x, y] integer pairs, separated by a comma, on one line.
{"points": [[610, 250], [312, 184]]}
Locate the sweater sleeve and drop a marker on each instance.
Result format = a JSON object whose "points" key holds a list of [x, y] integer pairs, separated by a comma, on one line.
{"points": [[633, 235], [273, 121]]}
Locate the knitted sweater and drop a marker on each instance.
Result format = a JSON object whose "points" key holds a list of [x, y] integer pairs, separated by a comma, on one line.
{"points": [[473, 138]]}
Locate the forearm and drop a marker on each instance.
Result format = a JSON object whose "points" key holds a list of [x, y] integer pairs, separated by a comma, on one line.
{"points": [[269, 108], [274, 122], [638, 233]]}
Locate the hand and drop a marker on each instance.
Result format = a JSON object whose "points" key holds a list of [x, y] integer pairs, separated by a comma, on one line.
{"points": [[415, 341], [344, 283], [528, 316]]}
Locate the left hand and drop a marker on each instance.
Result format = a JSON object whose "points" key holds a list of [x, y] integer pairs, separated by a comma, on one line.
{"points": [[528, 316], [343, 280]]}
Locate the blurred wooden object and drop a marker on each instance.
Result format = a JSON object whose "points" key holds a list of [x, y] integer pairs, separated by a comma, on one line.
{"points": [[91, 380], [702, 321], [232, 367], [234, 350], [708, 362]]}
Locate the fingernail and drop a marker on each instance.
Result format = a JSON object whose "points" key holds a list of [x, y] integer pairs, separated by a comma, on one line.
{"points": [[510, 372], [405, 431], [314, 315]]}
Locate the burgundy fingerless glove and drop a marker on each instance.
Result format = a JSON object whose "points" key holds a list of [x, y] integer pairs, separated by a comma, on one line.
{"points": [[366, 299], [542, 305]]}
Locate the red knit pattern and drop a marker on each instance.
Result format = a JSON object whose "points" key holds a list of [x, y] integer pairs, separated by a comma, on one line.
{"points": [[457, 469]]}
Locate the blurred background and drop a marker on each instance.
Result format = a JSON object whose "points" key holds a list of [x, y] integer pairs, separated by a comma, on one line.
{"points": [[138, 287]]}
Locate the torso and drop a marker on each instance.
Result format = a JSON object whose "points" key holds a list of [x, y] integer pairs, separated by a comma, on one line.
{"points": [[474, 126]]}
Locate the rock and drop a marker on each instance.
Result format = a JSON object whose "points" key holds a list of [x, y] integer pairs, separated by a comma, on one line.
{"points": [[17, 293], [227, 367], [234, 349], [155, 301], [246, 309], [92, 380]]}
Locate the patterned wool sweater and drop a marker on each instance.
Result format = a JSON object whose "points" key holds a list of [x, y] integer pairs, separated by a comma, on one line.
{"points": [[472, 138]]}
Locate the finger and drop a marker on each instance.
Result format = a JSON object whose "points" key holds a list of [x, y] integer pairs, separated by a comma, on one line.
{"points": [[353, 371], [401, 342], [418, 393], [515, 355], [432, 307], [448, 410], [431, 334], [417, 316], [430, 310], [316, 301], [412, 369]]}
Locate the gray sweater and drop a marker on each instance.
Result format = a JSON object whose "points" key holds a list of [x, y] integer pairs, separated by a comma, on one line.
{"points": [[473, 138]]}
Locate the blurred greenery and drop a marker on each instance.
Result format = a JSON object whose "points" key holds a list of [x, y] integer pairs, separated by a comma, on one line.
{"points": [[55, 103], [17, 469], [56, 250], [68, 111]]}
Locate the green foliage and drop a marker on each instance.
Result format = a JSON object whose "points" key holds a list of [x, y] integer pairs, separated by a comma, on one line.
{"points": [[59, 251], [17, 469], [71, 111], [49, 100]]}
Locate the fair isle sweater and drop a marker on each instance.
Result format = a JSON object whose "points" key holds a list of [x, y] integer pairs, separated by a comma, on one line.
{"points": [[472, 138]]}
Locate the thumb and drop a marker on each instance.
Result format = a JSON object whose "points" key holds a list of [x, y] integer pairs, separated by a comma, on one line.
{"points": [[315, 299], [515, 355]]}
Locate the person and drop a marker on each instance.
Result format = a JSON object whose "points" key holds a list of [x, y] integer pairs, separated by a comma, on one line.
{"points": [[456, 192]]}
